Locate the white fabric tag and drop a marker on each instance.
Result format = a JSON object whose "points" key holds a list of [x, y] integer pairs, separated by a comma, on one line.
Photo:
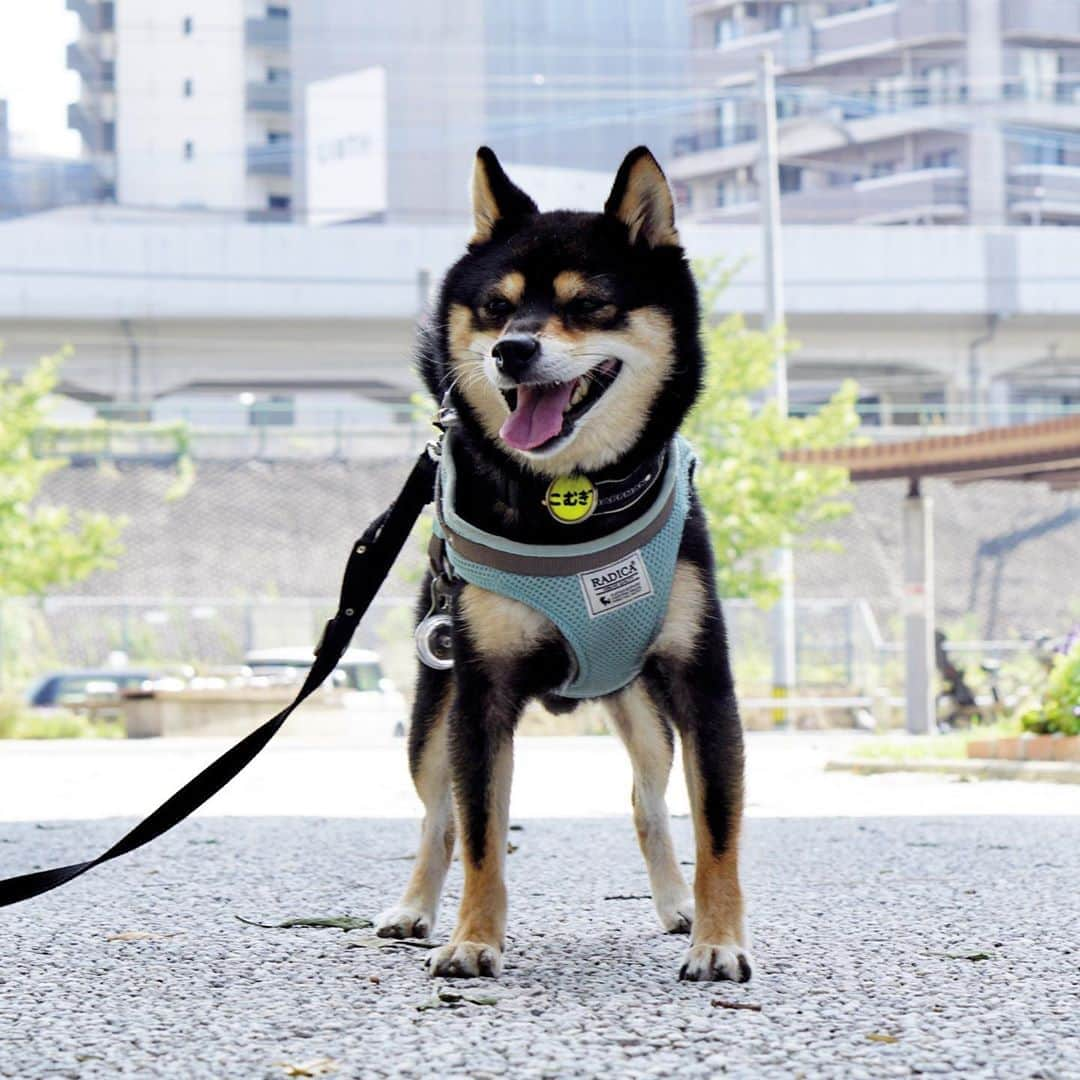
{"points": [[611, 587]]}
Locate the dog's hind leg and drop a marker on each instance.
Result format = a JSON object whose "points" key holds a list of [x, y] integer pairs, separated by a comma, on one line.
{"points": [[429, 763], [649, 739], [705, 710], [689, 678]]}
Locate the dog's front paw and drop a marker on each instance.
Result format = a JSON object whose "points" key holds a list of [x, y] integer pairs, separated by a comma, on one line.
{"points": [[677, 915], [404, 922], [711, 963], [465, 960]]}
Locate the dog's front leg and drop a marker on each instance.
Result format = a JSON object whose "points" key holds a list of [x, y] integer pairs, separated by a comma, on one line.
{"points": [[504, 654], [481, 756]]}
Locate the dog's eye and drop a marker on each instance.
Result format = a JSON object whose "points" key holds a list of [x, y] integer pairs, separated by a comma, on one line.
{"points": [[584, 305], [498, 307]]}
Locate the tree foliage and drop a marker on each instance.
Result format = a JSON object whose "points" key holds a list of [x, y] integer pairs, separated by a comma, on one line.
{"points": [[755, 502], [40, 546]]}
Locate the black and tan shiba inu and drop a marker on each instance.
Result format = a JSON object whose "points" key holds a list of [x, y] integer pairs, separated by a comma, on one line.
{"points": [[568, 345]]}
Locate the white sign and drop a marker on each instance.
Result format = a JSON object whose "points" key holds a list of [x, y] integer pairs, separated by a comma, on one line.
{"points": [[346, 147], [615, 585]]}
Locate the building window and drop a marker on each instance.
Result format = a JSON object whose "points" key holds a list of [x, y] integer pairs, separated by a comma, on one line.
{"points": [[782, 16], [683, 195], [787, 104], [725, 29], [1039, 71], [790, 178], [277, 74], [721, 196], [108, 136], [278, 137], [1043, 148], [188, 24], [941, 159], [882, 168], [189, 87], [277, 410], [277, 11], [189, 150], [279, 202]]}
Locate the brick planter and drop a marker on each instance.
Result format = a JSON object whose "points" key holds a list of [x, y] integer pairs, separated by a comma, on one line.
{"points": [[1027, 748]]}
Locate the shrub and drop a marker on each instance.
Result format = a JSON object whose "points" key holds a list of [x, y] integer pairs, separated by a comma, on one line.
{"points": [[1060, 708], [17, 722]]}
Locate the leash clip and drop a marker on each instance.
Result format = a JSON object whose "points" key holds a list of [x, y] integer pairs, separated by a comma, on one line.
{"points": [[434, 636], [446, 416]]}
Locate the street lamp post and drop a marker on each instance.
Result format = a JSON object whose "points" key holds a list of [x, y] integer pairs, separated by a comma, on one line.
{"points": [[783, 613]]}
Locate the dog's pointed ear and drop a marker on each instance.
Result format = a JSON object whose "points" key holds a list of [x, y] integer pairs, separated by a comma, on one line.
{"points": [[495, 198], [641, 200]]}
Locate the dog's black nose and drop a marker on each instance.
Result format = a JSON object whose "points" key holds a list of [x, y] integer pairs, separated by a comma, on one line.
{"points": [[514, 353]]}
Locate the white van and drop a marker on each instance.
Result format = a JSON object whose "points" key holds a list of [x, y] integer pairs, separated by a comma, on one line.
{"points": [[369, 695]]}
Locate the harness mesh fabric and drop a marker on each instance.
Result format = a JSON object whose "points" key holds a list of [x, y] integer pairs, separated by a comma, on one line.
{"points": [[608, 647]]}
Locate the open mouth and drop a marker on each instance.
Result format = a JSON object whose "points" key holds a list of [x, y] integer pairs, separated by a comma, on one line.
{"points": [[543, 413]]}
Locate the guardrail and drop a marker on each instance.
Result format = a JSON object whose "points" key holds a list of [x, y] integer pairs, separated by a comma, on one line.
{"points": [[334, 434]]}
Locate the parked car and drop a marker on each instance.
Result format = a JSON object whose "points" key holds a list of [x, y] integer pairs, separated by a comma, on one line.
{"points": [[368, 692], [82, 688]]}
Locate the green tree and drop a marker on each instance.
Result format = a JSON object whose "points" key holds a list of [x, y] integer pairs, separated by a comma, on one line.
{"points": [[755, 502], [40, 546]]}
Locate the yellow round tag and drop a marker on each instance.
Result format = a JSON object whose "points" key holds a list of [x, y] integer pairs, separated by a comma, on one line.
{"points": [[570, 499]]}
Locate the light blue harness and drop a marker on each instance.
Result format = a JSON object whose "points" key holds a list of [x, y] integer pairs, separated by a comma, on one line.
{"points": [[607, 597]]}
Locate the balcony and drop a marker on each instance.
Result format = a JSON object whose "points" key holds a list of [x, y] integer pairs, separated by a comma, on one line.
{"points": [[98, 134], [864, 31], [792, 47], [269, 96], [267, 32], [922, 195], [270, 159], [854, 31], [1041, 193], [713, 139], [96, 17], [96, 73], [1039, 20], [869, 29]]}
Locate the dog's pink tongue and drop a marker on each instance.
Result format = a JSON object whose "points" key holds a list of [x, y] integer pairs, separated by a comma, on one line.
{"points": [[538, 416]]}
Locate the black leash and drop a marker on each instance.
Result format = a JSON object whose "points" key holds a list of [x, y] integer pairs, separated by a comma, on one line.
{"points": [[369, 563]]}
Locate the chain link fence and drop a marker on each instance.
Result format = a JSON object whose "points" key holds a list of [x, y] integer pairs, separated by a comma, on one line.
{"points": [[248, 556]]}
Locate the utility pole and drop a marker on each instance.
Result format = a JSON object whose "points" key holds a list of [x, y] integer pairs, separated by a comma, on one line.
{"points": [[783, 613]]}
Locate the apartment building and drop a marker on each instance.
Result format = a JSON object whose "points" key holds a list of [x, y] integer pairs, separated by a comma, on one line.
{"points": [[897, 112], [186, 103]]}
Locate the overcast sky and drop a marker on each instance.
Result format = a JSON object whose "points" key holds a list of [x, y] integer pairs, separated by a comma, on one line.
{"points": [[33, 75]]}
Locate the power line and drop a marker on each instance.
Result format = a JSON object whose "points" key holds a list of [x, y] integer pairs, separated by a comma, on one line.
{"points": [[912, 281]]}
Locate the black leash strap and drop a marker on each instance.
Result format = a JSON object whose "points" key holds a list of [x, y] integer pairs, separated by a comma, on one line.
{"points": [[369, 563]]}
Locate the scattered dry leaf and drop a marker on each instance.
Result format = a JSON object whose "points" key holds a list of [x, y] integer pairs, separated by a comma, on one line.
{"points": [[335, 922], [317, 1067], [389, 943], [882, 1037], [140, 935], [748, 1005], [453, 999]]}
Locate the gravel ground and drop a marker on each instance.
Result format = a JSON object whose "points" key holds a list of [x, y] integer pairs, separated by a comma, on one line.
{"points": [[866, 934]]}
